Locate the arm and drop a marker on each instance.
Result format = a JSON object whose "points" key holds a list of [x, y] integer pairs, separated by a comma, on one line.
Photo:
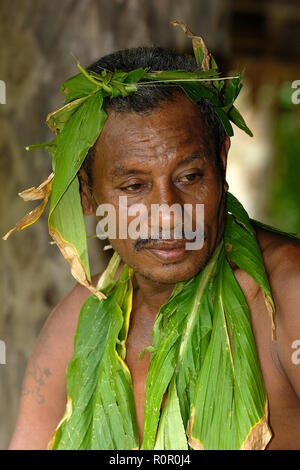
{"points": [[43, 396], [286, 288]]}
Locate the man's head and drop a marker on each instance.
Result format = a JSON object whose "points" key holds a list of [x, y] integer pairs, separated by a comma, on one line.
{"points": [[158, 147]]}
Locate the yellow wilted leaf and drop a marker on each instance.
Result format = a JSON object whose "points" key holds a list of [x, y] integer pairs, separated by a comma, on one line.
{"points": [[42, 192], [77, 269], [32, 194], [197, 42]]}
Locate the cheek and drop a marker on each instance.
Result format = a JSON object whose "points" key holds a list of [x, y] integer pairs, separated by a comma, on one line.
{"points": [[123, 243], [125, 248], [210, 195]]}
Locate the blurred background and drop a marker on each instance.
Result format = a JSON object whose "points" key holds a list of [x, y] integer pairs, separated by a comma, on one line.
{"points": [[37, 40]]}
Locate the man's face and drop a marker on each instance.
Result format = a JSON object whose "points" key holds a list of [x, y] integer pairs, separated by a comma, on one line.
{"points": [[166, 156]]}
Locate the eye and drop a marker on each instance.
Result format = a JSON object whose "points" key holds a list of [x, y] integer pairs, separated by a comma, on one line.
{"points": [[131, 188], [191, 177]]}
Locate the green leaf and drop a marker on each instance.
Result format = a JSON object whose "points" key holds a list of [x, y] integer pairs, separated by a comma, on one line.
{"points": [[147, 349], [244, 249], [259, 224], [231, 370], [50, 146], [77, 87], [108, 275], [233, 89], [219, 84], [196, 91], [103, 410], [235, 208], [171, 433], [57, 119], [203, 353], [135, 75], [126, 308], [177, 329], [181, 75], [225, 121], [78, 135], [199, 55], [213, 63], [236, 117], [66, 226]]}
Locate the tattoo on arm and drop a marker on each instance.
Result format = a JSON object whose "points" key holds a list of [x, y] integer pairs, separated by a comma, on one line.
{"points": [[39, 375]]}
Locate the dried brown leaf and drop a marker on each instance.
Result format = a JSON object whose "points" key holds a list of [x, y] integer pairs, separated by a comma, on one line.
{"points": [[260, 435], [43, 191], [77, 269], [197, 41], [32, 194], [270, 309]]}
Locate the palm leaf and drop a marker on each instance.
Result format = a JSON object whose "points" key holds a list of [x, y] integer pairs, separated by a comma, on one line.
{"points": [[242, 248], [66, 224], [231, 368], [73, 142], [203, 354], [103, 410], [67, 228], [171, 434], [181, 323]]}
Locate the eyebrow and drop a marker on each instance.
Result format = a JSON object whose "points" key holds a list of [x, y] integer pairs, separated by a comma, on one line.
{"points": [[200, 154], [121, 170]]}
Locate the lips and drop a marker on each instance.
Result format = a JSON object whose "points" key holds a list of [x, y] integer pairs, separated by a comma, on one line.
{"points": [[168, 251]]}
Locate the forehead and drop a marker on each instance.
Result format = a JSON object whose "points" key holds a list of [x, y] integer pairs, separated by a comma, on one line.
{"points": [[169, 132]]}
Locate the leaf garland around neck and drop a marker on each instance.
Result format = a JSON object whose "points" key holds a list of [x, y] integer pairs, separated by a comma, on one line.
{"points": [[203, 354], [77, 126]]}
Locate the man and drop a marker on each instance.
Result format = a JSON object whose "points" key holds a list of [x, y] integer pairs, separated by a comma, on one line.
{"points": [[158, 147]]}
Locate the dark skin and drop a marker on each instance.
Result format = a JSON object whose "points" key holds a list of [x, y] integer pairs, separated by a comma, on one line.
{"points": [[173, 159]]}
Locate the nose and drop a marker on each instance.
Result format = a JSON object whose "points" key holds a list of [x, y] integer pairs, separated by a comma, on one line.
{"points": [[164, 208]]}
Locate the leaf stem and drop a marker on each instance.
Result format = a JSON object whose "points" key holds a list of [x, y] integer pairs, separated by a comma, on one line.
{"points": [[109, 272], [184, 80], [87, 75]]}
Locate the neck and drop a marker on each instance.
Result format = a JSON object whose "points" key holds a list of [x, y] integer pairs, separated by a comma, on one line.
{"points": [[150, 295]]}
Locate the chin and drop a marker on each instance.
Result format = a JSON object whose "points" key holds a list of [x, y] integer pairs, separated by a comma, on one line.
{"points": [[171, 273], [149, 266]]}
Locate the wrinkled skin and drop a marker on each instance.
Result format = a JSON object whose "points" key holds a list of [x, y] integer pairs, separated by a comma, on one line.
{"points": [[143, 156]]}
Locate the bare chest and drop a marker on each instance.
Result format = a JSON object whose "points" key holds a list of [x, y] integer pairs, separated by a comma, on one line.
{"points": [[137, 341]]}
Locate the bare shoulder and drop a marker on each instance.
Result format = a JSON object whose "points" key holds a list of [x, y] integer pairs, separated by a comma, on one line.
{"points": [[43, 395], [56, 337], [281, 255]]}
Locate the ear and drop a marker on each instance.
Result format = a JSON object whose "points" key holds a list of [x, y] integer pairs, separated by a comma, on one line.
{"points": [[87, 201], [223, 156]]}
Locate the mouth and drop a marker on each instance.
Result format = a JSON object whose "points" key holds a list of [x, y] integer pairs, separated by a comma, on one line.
{"points": [[168, 252]]}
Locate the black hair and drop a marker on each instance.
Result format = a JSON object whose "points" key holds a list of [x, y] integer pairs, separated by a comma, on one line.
{"points": [[148, 98]]}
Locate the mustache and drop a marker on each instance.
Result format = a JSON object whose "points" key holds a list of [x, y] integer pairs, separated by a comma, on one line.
{"points": [[142, 243]]}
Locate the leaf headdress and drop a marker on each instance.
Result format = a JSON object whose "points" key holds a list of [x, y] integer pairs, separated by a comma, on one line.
{"points": [[203, 350], [78, 124]]}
